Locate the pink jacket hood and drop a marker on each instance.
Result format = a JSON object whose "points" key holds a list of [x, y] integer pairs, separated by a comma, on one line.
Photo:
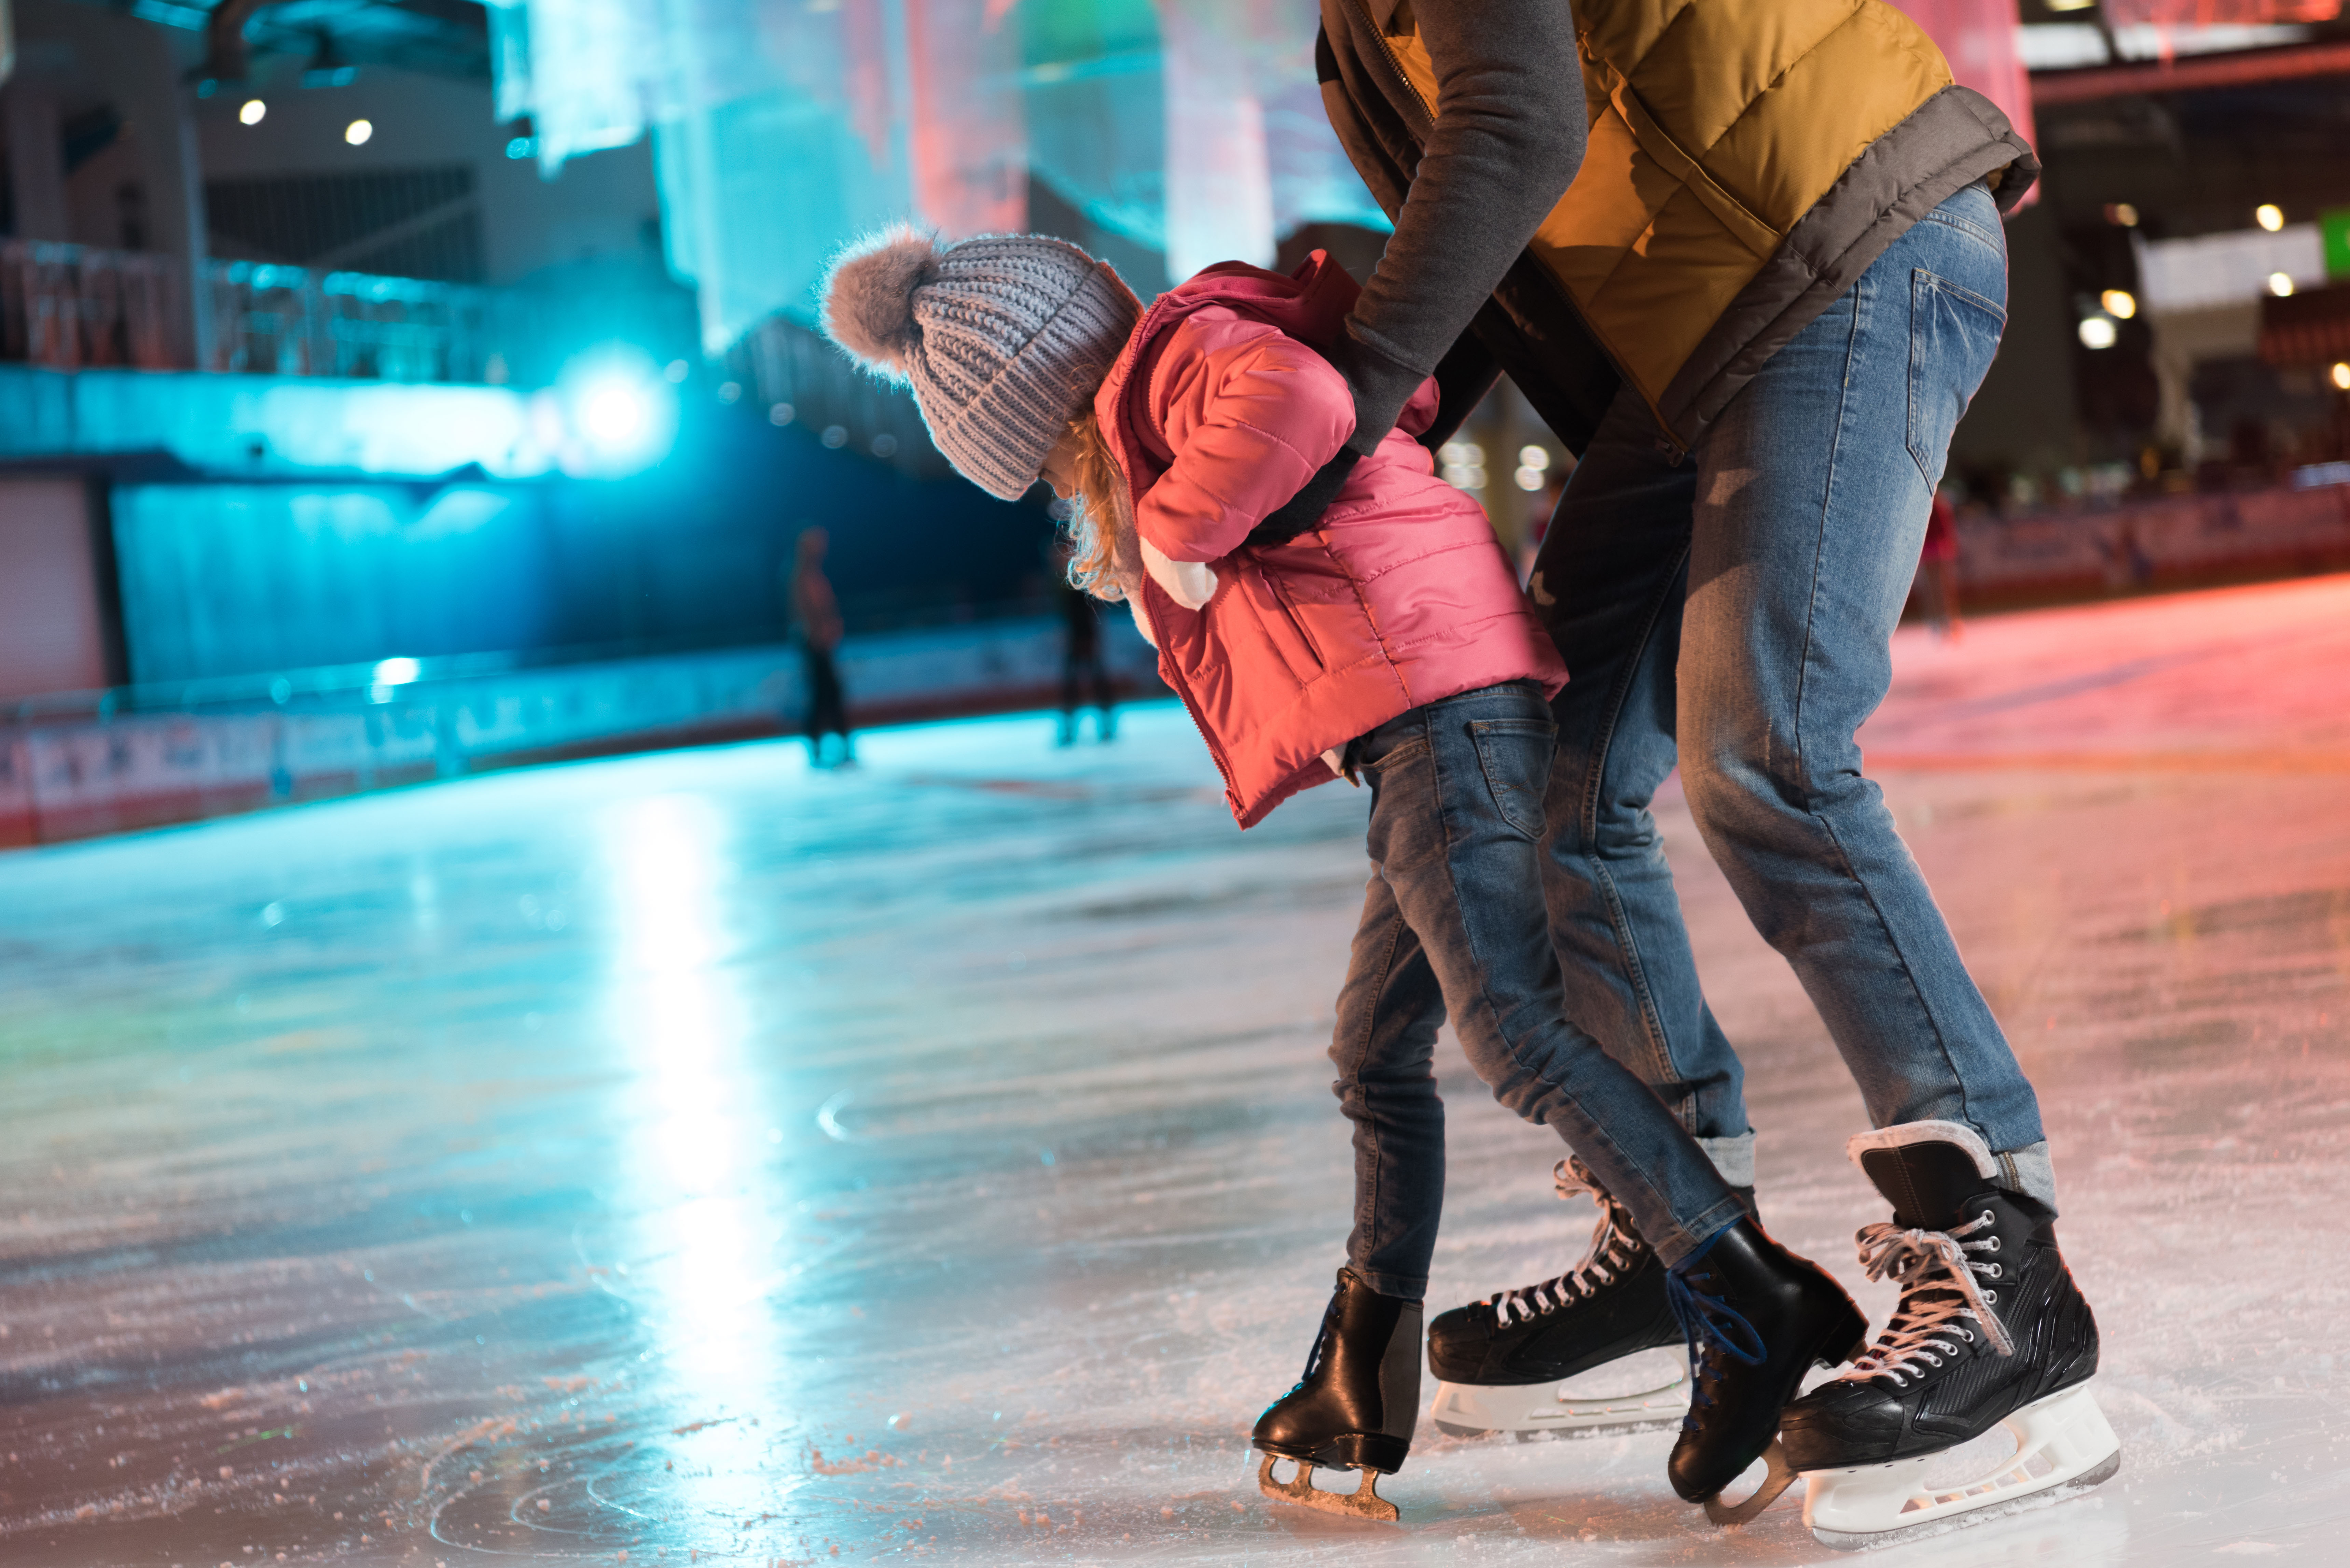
{"points": [[1218, 411]]}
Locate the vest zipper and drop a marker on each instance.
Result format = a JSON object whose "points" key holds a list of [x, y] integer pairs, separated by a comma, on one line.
{"points": [[1428, 117], [1395, 65]]}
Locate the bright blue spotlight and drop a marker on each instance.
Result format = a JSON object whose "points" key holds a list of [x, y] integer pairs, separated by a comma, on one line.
{"points": [[621, 416], [614, 413]]}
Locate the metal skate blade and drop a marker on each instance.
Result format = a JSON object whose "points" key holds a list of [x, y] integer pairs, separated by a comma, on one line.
{"points": [[1363, 1502], [1777, 1477], [2064, 1448]]}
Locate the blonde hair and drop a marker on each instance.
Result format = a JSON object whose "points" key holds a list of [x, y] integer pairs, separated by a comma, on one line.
{"points": [[1105, 557]]}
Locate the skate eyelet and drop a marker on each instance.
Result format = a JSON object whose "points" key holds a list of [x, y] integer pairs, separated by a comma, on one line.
{"points": [[1991, 1298], [1986, 1219], [1993, 1271], [1992, 1245]]}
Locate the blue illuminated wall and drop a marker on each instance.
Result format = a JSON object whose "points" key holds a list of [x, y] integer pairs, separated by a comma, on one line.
{"points": [[223, 577]]}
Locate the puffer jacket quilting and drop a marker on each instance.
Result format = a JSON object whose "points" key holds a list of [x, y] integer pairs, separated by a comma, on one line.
{"points": [[1217, 411]]}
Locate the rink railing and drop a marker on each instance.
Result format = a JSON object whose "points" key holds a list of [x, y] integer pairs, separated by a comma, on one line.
{"points": [[79, 764], [72, 308], [2167, 542], [290, 321]]}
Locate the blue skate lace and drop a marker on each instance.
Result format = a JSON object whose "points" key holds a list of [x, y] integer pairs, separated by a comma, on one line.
{"points": [[1313, 1357], [1703, 1317]]}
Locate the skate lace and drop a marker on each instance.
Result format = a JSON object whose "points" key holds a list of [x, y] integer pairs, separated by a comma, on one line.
{"points": [[1322, 1338], [1941, 1291], [1705, 1320], [1615, 1247]]}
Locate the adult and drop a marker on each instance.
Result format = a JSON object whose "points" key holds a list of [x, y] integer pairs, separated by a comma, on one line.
{"points": [[815, 616], [1747, 261]]}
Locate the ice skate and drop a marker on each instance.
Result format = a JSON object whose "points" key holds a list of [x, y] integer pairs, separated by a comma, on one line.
{"points": [[1355, 1406], [1991, 1330], [1502, 1364], [1756, 1316]]}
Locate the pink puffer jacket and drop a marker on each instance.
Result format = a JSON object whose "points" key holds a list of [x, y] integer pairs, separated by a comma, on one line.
{"points": [[1218, 411]]}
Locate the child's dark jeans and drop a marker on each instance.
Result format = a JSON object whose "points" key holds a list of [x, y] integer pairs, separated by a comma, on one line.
{"points": [[1453, 923]]}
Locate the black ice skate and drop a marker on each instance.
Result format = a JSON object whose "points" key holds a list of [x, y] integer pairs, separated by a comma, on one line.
{"points": [[1355, 1406], [1991, 1328], [1757, 1316], [1501, 1362]]}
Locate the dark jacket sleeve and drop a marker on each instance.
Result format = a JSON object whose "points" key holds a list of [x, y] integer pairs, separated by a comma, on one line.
{"points": [[1507, 142]]}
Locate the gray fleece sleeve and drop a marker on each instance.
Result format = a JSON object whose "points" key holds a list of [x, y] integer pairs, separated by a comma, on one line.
{"points": [[1508, 138]]}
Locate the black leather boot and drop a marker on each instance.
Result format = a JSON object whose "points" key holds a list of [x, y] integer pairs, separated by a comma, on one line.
{"points": [[1989, 1320], [1355, 1406], [1756, 1316]]}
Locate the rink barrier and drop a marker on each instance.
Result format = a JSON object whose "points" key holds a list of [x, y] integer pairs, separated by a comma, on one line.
{"points": [[87, 774], [2169, 541]]}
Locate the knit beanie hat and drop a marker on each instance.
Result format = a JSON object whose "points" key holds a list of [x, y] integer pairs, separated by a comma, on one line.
{"points": [[1003, 339]]}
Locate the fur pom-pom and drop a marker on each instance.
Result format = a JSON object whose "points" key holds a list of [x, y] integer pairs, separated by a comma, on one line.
{"points": [[869, 298]]}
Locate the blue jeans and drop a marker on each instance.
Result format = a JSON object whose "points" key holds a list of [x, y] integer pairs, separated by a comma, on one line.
{"points": [[1729, 609], [1454, 924]]}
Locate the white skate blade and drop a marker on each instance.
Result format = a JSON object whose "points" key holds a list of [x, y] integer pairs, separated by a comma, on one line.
{"points": [[1363, 1502], [2063, 1447], [1530, 1410]]}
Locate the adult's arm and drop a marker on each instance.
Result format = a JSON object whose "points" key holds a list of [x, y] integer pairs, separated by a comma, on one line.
{"points": [[1507, 142]]}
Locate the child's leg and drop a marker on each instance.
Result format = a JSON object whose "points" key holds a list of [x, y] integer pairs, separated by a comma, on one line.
{"points": [[1385, 1048], [1456, 824]]}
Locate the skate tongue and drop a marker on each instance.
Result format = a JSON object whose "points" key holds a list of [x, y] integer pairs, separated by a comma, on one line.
{"points": [[1929, 1184]]}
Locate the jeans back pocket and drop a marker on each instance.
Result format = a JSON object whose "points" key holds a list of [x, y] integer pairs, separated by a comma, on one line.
{"points": [[1953, 335], [1516, 755]]}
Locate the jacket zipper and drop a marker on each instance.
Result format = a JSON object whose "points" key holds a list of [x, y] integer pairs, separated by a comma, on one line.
{"points": [[1200, 723]]}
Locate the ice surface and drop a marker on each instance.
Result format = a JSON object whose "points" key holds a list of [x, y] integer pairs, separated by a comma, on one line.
{"points": [[701, 1158]]}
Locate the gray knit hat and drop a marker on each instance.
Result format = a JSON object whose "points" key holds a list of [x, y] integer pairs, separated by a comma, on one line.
{"points": [[1003, 339]]}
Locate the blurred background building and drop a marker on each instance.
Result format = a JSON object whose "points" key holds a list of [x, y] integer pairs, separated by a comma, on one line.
{"points": [[394, 387]]}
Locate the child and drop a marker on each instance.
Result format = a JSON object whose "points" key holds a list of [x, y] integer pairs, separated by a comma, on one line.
{"points": [[1390, 644]]}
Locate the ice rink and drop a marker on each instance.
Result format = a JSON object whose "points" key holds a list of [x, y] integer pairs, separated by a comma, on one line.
{"points": [[696, 1157]]}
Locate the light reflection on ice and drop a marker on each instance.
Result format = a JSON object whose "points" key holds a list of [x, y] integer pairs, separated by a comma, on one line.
{"points": [[697, 1179]]}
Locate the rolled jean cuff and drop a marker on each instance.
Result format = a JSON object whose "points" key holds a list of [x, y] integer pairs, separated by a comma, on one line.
{"points": [[1690, 1238], [1401, 1286], [1735, 1156], [2030, 1171]]}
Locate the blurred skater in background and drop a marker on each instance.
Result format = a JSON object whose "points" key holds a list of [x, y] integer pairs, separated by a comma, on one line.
{"points": [[815, 616], [1937, 568], [1081, 654]]}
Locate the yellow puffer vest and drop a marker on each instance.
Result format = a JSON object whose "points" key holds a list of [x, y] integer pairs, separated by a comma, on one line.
{"points": [[1747, 158]]}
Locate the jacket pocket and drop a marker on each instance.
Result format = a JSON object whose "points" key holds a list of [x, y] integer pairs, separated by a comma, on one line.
{"points": [[1516, 755], [1953, 334], [1279, 623]]}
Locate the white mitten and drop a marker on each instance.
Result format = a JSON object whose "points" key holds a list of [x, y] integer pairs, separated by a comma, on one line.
{"points": [[1189, 583], [1141, 619]]}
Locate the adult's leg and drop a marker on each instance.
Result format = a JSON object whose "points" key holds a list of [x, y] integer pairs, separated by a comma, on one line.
{"points": [[1610, 579], [1456, 822], [1812, 498]]}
